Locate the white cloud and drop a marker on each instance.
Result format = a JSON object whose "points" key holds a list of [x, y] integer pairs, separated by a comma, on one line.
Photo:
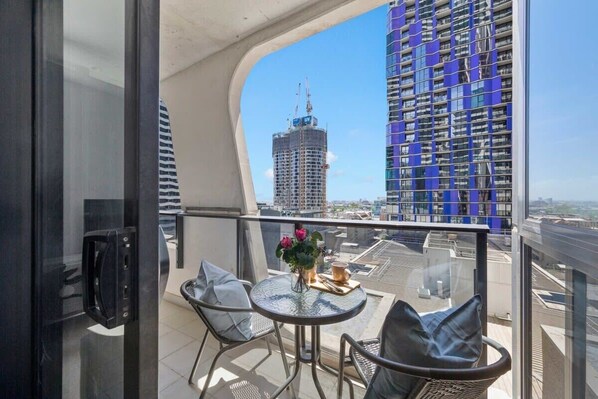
{"points": [[269, 173], [330, 157], [337, 173]]}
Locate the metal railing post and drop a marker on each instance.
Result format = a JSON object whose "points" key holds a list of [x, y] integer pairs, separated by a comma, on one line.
{"points": [[239, 248], [180, 236], [481, 282]]}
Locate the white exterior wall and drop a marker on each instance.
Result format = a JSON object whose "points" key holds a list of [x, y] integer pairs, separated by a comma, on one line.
{"points": [[499, 283], [442, 264], [204, 105]]}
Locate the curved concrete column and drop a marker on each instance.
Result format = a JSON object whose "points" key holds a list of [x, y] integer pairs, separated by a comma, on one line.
{"points": [[204, 103]]}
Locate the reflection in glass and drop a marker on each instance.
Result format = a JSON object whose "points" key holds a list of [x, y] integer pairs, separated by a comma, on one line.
{"points": [[81, 97], [563, 123]]}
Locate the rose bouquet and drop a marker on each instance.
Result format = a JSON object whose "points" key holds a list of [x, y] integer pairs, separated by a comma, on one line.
{"points": [[300, 253]]}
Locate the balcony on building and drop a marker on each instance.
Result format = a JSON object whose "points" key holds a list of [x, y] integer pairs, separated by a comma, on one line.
{"points": [[392, 262]]}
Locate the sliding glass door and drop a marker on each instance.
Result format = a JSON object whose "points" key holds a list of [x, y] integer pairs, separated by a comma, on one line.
{"points": [[559, 221], [96, 212]]}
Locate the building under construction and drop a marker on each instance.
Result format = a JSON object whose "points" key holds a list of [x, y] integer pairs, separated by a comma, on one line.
{"points": [[299, 157]]}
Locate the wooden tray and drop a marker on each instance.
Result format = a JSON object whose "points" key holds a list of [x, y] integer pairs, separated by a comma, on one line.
{"points": [[345, 287]]}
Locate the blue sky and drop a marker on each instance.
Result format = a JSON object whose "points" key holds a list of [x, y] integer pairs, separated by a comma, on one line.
{"points": [[346, 70], [563, 114]]}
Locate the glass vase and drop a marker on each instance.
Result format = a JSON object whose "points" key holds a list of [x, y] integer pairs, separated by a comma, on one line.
{"points": [[299, 282]]}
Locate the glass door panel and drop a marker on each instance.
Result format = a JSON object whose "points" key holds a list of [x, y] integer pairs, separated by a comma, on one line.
{"points": [[81, 153]]}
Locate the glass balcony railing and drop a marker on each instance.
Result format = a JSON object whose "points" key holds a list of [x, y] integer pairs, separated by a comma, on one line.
{"points": [[502, 14], [504, 42], [503, 28], [429, 265]]}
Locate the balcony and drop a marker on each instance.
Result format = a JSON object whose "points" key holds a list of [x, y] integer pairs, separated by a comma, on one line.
{"points": [[503, 14], [504, 28], [443, 22], [506, 97], [390, 259], [505, 70], [442, 11], [207, 54], [505, 42]]}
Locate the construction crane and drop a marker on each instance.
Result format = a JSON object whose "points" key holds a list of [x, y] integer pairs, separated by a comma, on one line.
{"points": [[308, 106], [298, 99]]}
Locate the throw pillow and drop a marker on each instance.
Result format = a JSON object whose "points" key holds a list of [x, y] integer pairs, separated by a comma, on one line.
{"points": [[219, 287], [447, 339]]}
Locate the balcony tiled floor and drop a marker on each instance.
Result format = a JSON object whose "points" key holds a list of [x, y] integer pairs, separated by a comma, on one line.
{"points": [[248, 371]]}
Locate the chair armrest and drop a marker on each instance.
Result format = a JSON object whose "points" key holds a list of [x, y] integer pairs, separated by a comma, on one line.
{"points": [[247, 283], [222, 308], [199, 303], [477, 373]]}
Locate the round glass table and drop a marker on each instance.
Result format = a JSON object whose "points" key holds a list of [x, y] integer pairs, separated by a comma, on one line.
{"points": [[274, 299]]}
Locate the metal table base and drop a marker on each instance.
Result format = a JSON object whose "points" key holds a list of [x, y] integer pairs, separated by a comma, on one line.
{"points": [[309, 354]]}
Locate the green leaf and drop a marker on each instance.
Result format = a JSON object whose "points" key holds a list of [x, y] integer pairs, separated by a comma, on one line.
{"points": [[305, 260], [279, 251], [317, 236]]}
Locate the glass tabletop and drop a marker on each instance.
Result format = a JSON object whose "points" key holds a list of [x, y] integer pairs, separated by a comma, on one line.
{"points": [[274, 299]]}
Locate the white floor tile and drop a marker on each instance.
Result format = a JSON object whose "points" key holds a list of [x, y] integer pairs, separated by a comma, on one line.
{"points": [[195, 329], [163, 329], [166, 376], [180, 390], [171, 342], [178, 317], [182, 360]]}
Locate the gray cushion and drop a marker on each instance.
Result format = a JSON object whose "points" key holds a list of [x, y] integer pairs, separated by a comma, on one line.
{"points": [[219, 287], [447, 339]]}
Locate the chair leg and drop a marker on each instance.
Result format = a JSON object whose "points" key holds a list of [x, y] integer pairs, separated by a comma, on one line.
{"points": [[267, 339], [341, 372], [285, 361], [203, 343], [206, 385]]}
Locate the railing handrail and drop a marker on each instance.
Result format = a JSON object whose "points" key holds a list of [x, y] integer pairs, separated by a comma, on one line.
{"points": [[481, 239], [375, 224]]}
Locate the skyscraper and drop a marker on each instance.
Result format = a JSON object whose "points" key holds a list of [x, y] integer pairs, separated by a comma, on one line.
{"points": [[448, 138], [299, 157], [170, 198]]}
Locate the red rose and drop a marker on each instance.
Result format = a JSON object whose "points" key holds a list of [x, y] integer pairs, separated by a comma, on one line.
{"points": [[301, 234], [286, 242]]}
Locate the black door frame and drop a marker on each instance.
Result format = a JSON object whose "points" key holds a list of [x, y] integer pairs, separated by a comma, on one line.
{"points": [[23, 127], [142, 111], [16, 195]]}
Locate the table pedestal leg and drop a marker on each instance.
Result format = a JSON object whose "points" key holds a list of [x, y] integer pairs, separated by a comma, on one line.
{"points": [[314, 358]]}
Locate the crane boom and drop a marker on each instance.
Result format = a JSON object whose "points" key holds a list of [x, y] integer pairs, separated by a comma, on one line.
{"points": [[298, 99], [308, 106]]}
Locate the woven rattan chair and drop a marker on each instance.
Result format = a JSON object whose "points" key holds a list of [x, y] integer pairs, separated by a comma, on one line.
{"points": [[261, 327], [434, 383]]}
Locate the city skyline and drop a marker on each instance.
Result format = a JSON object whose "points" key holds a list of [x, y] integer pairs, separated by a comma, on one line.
{"points": [[269, 99], [351, 106]]}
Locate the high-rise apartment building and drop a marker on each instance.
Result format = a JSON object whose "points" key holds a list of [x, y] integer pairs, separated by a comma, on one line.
{"points": [[448, 138], [170, 198], [299, 157]]}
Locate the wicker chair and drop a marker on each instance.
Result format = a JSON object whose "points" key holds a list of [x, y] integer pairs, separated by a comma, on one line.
{"points": [[434, 383], [260, 326]]}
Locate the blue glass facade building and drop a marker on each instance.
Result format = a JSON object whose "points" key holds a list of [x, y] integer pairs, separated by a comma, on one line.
{"points": [[448, 138]]}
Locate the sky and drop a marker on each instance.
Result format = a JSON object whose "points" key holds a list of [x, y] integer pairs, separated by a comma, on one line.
{"points": [[345, 66], [563, 103], [346, 70]]}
